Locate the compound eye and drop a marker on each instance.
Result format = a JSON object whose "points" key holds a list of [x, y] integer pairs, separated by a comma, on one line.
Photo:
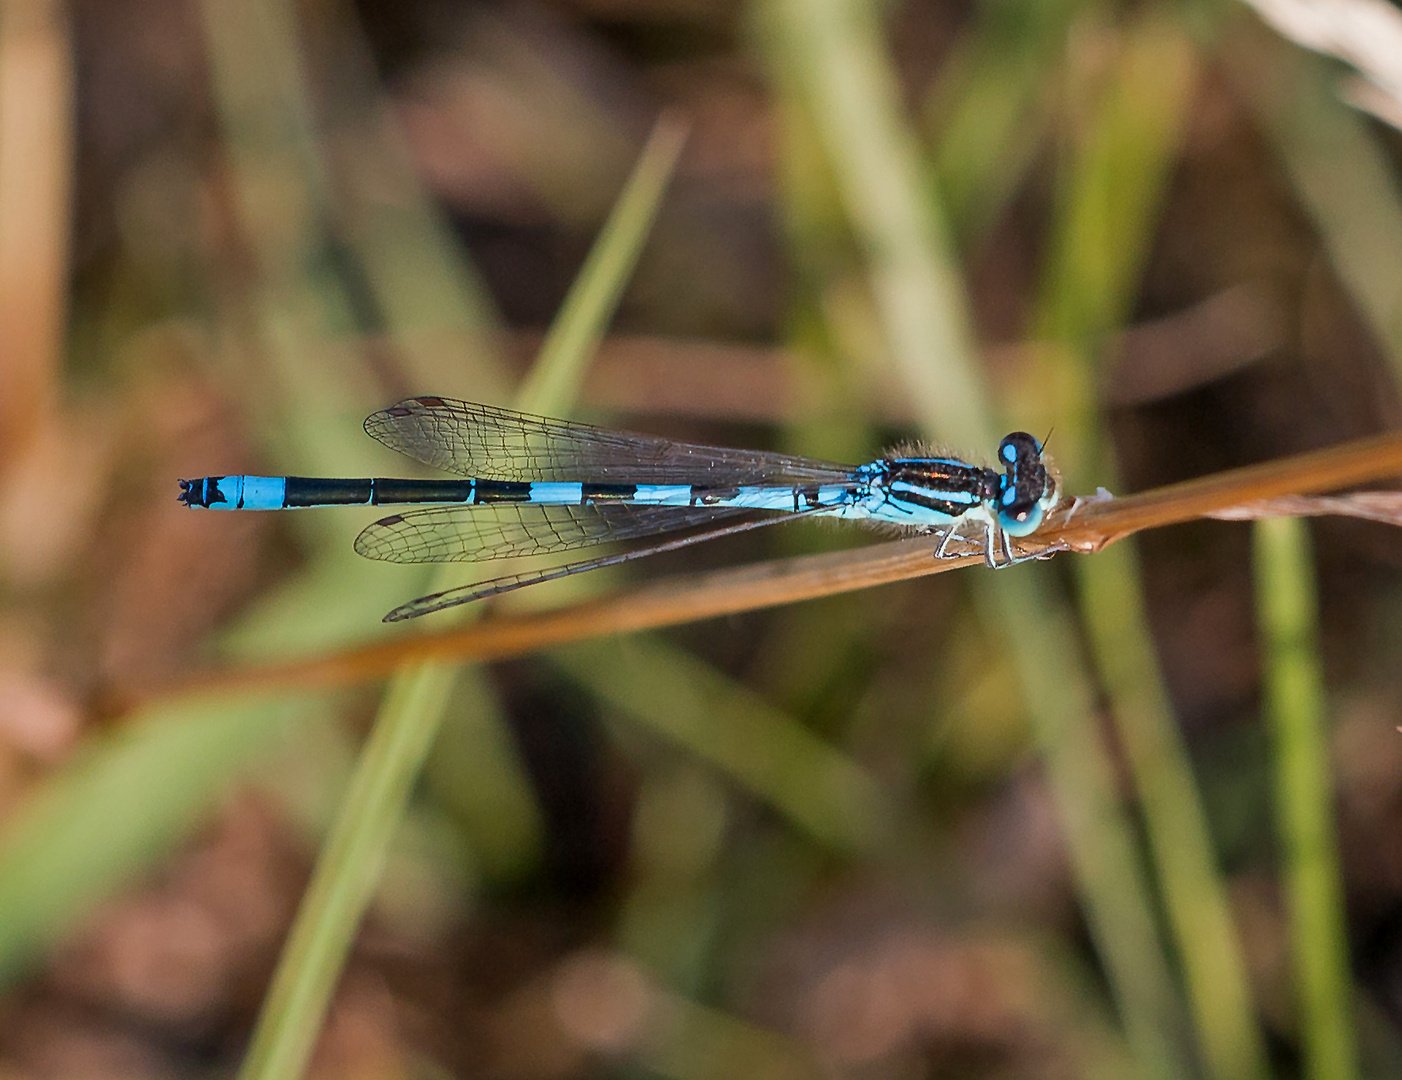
{"points": [[1019, 517], [1019, 450]]}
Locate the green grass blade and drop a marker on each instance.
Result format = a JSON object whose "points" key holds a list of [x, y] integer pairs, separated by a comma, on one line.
{"points": [[1295, 711], [301, 321], [134, 795], [988, 108], [678, 696], [127, 800], [1195, 895], [1112, 189], [832, 54], [347, 873], [574, 336], [1344, 181], [1114, 183], [409, 719], [1102, 844]]}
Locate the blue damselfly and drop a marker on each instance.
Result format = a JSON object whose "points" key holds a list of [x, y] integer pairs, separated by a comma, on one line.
{"points": [[536, 486]]}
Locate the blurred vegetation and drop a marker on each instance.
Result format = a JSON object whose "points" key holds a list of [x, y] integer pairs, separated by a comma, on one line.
{"points": [[1130, 814]]}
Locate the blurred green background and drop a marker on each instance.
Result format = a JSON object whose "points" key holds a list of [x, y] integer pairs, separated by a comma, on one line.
{"points": [[1129, 815]]}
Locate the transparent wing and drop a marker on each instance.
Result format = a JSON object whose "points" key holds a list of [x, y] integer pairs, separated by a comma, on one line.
{"points": [[466, 594], [481, 440], [471, 533]]}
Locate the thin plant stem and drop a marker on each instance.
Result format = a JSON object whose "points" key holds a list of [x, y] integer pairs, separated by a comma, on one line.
{"points": [[693, 597], [1112, 190], [1296, 714], [348, 870]]}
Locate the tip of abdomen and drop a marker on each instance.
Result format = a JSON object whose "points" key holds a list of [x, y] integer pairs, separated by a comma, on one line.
{"points": [[201, 492]]}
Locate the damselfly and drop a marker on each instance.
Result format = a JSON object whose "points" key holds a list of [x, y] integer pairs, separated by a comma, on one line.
{"points": [[536, 486]]}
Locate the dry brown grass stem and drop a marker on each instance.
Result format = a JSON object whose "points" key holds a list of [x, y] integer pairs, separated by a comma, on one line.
{"points": [[1091, 526]]}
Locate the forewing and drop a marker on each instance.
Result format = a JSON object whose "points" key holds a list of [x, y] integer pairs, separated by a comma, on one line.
{"points": [[483, 441], [473, 533]]}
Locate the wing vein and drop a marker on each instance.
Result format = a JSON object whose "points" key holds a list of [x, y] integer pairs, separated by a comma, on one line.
{"points": [[470, 439], [473, 533]]}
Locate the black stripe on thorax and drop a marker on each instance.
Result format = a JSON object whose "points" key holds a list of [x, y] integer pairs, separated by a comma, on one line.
{"points": [[941, 506], [944, 476], [955, 474], [932, 477]]}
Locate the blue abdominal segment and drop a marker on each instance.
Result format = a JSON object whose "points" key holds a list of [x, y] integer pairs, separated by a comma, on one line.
{"points": [[235, 492]]}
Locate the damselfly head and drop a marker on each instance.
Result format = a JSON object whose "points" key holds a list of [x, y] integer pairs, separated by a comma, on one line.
{"points": [[1026, 489]]}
